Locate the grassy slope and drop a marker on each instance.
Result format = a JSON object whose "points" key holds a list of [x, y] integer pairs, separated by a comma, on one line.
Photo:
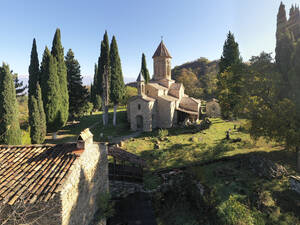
{"points": [[70, 132], [182, 147]]}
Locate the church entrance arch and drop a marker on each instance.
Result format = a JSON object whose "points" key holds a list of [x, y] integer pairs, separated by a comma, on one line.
{"points": [[139, 122]]}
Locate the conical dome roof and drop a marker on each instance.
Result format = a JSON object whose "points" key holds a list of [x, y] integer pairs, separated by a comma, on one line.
{"points": [[162, 51]]}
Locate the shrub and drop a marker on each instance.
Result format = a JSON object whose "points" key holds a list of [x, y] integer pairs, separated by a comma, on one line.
{"points": [[232, 212], [162, 133]]}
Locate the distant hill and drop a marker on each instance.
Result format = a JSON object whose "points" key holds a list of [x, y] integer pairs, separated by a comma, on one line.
{"points": [[198, 77], [199, 67]]}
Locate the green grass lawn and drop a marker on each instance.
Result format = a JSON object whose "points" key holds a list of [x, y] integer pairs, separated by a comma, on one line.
{"points": [[70, 132], [182, 146]]}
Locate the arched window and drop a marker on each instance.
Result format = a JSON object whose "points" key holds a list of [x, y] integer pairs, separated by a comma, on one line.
{"points": [[139, 106]]}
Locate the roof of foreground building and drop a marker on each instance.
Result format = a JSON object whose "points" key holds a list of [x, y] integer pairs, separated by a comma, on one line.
{"points": [[34, 173]]}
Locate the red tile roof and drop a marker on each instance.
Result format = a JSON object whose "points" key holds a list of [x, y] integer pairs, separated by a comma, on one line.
{"points": [[34, 173], [162, 51]]}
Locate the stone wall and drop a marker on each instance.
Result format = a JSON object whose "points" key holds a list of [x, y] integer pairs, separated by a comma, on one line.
{"points": [[161, 68], [87, 179], [166, 113], [77, 199], [145, 112]]}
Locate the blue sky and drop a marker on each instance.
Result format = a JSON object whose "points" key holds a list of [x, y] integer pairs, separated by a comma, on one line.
{"points": [[190, 29]]}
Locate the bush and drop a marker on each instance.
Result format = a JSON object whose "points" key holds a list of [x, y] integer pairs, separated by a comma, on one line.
{"points": [[232, 212], [162, 133]]}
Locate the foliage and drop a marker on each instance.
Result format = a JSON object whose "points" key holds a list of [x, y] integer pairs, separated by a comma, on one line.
{"points": [[162, 133], [205, 71], [58, 53], [129, 92], [231, 53], [103, 62], [51, 92], [86, 109], [20, 89], [26, 140], [117, 86], [106, 207], [34, 72], [37, 118], [232, 212], [94, 85], [230, 90], [229, 84], [144, 69], [10, 132], [190, 83], [78, 94]]}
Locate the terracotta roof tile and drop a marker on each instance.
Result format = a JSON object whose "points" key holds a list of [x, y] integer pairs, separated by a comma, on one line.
{"points": [[33, 173]]}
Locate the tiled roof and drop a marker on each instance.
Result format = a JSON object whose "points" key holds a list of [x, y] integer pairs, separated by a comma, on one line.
{"points": [[187, 111], [143, 97], [168, 98], [33, 173], [162, 51], [176, 86], [121, 154], [157, 86]]}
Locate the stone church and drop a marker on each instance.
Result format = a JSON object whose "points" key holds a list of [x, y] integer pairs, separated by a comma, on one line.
{"points": [[161, 103]]}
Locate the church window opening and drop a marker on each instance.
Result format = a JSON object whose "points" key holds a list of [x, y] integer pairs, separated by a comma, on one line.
{"points": [[139, 106]]}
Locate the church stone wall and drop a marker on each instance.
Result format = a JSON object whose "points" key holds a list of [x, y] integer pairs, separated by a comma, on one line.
{"points": [[166, 113], [145, 111]]}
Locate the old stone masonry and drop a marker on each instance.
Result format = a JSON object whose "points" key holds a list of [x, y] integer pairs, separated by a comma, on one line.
{"points": [[161, 103]]}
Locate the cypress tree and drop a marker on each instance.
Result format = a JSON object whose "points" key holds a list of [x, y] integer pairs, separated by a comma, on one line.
{"points": [[117, 86], [10, 132], [103, 76], [51, 92], [144, 69], [34, 72], [37, 118], [78, 94], [284, 52], [58, 53], [34, 76], [94, 86]]}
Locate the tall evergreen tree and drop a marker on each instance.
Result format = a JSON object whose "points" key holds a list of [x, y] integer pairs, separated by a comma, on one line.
{"points": [[103, 76], [58, 53], [37, 118], [231, 53], [34, 72], [230, 78], [51, 92], [144, 69], [78, 94], [10, 132], [117, 86]]}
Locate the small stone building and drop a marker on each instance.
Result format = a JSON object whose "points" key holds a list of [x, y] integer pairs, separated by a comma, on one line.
{"points": [[53, 184], [161, 103]]}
